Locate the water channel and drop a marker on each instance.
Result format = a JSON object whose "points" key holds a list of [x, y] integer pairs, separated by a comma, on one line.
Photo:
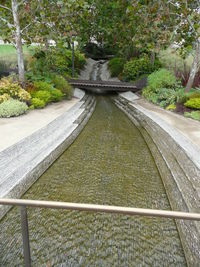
{"points": [[109, 163]]}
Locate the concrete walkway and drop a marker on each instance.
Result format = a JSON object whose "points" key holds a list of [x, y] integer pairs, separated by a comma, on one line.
{"points": [[12, 130]]}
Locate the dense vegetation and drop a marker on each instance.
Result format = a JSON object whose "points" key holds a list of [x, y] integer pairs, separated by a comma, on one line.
{"points": [[46, 81], [138, 33]]}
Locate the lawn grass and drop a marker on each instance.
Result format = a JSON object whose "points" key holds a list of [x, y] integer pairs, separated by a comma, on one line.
{"points": [[8, 57], [9, 50]]}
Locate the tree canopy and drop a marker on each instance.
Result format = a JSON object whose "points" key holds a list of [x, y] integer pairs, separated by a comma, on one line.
{"points": [[124, 26]]}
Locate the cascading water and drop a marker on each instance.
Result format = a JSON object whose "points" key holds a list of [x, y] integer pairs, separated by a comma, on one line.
{"points": [[109, 163]]}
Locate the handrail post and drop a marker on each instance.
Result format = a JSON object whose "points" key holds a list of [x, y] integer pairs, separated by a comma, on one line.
{"points": [[25, 236]]}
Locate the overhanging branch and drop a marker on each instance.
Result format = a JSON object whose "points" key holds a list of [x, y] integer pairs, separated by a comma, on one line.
{"points": [[8, 23], [5, 7]]}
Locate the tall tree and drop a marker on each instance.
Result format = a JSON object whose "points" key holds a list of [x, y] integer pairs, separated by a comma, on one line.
{"points": [[18, 42], [11, 31]]}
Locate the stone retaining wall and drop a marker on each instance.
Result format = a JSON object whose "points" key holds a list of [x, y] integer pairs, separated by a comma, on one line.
{"points": [[24, 162], [178, 162]]}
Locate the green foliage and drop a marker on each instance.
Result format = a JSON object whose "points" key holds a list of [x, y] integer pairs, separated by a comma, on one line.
{"points": [[116, 66], [161, 78], [171, 107], [195, 94], [163, 89], [37, 103], [12, 108], [61, 84], [150, 95], [137, 67], [166, 96], [193, 115], [193, 103], [43, 95], [172, 59], [43, 86], [45, 64], [56, 95], [13, 89]]}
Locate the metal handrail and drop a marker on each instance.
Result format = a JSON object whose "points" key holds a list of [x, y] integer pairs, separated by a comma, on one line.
{"points": [[23, 204], [101, 208]]}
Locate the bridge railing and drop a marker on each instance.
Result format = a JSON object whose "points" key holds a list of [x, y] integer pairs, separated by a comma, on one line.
{"points": [[23, 204]]}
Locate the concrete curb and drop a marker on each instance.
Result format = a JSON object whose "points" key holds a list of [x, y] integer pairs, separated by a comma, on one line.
{"points": [[179, 164], [24, 162]]}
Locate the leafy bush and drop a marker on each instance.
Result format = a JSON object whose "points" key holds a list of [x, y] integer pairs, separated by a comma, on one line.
{"points": [[37, 103], [55, 60], [166, 96], [171, 107], [116, 66], [193, 115], [61, 84], [179, 64], [4, 97], [43, 86], [43, 95], [163, 89], [13, 89], [12, 108], [150, 95], [193, 103], [161, 78], [137, 67], [194, 94], [56, 95]]}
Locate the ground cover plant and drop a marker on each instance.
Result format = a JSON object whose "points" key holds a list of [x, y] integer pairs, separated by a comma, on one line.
{"points": [[12, 108]]}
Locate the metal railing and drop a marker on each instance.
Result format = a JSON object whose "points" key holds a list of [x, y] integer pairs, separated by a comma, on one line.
{"points": [[23, 204]]}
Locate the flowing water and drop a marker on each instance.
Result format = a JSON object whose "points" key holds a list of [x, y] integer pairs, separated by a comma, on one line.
{"points": [[109, 163]]}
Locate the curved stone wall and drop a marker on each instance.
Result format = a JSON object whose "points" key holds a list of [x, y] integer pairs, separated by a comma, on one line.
{"points": [[24, 162], [178, 163]]}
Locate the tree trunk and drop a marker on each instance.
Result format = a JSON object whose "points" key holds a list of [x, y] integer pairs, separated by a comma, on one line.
{"points": [[18, 42], [195, 67], [153, 58]]}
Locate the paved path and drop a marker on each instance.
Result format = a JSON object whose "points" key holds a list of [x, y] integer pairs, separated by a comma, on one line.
{"points": [[12, 130]]}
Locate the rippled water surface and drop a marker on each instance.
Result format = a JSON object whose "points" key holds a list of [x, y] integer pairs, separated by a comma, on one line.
{"points": [[109, 163]]}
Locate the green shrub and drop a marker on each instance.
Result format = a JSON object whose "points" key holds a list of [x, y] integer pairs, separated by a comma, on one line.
{"points": [[43, 86], [43, 95], [37, 103], [193, 115], [12, 108], [193, 103], [61, 84], [166, 96], [13, 89], [56, 95], [171, 107], [137, 67], [161, 79], [116, 66], [194, 94]]}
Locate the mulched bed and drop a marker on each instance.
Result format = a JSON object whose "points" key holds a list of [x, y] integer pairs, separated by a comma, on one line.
{"points": [[180, 109]]}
